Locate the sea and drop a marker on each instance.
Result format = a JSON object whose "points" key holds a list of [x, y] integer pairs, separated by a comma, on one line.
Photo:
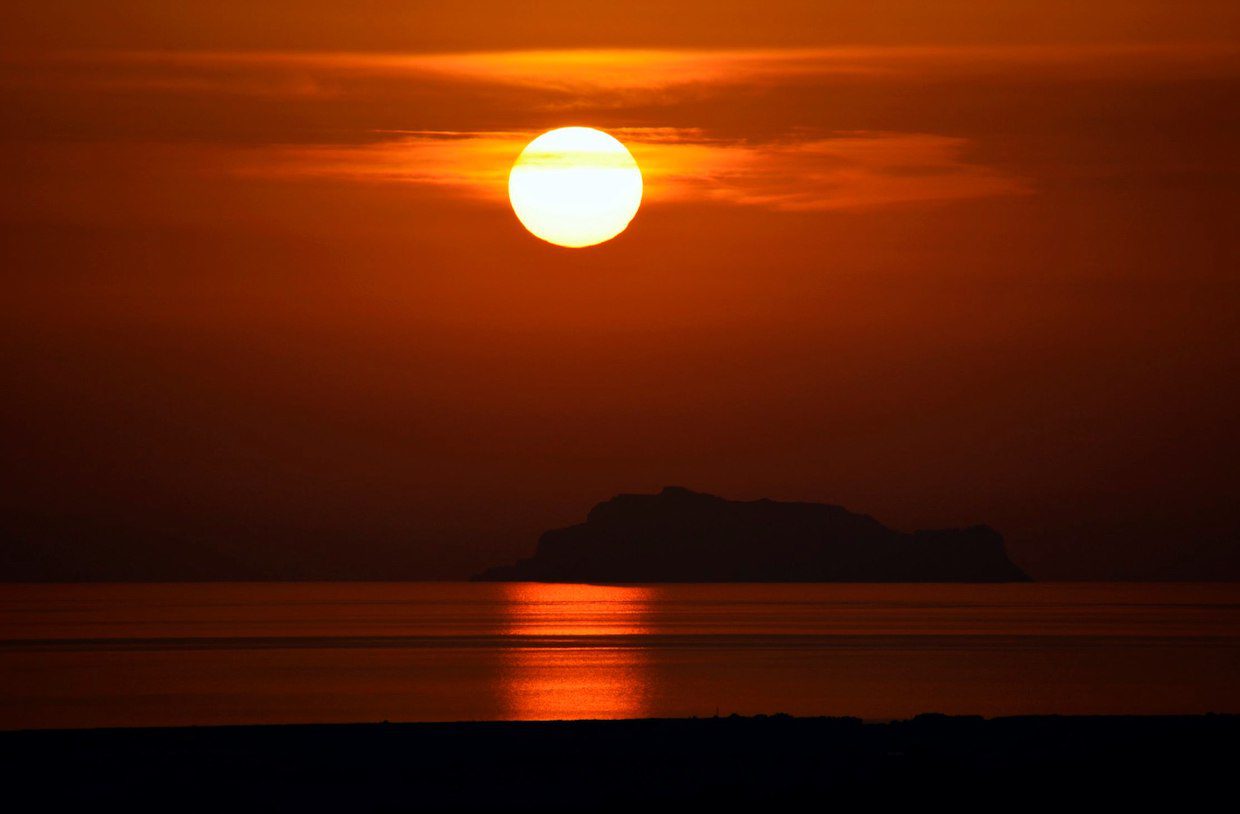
{"points": [[111, 655]]}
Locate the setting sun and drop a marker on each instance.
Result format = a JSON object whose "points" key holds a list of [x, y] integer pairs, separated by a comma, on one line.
{"points": [[370, 452], [575, 187]]}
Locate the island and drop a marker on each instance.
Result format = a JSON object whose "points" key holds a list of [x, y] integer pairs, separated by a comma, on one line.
{"points": [[678, 535]]}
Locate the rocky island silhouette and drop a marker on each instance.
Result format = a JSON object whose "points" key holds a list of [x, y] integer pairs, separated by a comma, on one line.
{"points": [[678, 535]]}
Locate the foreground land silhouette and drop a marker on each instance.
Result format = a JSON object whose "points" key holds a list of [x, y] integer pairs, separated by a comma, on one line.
{"points": [[760, 763], [678, 535]]}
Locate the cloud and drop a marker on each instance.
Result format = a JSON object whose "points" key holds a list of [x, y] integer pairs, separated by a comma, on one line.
{"points": [[799, 172], [840, 171], [578, 71], [786, 129]]}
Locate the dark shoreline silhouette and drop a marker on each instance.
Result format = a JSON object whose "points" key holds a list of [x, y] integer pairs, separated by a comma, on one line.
{"points": [[678, 535], [726, 763]]}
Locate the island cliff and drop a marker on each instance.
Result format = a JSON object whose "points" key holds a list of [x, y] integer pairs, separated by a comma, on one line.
{"points": [[679, 535]]}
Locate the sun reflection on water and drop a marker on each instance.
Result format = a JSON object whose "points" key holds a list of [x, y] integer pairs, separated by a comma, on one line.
{"points": [[572, 654]]}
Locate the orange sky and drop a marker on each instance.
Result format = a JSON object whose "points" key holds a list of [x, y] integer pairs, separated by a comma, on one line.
{"points": [[269, 312]]}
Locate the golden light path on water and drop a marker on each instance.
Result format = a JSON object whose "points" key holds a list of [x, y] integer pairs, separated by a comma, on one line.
{"points": [[558, 678]]}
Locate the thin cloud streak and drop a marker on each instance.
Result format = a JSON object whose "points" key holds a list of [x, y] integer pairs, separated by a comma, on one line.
{"points": [[571, 72], [803, 173]]}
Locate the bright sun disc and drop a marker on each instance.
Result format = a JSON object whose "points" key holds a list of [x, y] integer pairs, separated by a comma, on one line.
{"points": [[575, 186]]}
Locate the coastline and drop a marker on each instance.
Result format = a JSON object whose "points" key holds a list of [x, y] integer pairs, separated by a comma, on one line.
{"points": [[591, 765]]}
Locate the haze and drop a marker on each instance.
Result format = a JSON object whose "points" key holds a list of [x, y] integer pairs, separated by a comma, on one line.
{"points": [[269, 314]]}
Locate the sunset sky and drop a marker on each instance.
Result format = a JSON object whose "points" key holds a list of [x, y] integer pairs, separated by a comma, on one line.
{"points": [[268, 312]]}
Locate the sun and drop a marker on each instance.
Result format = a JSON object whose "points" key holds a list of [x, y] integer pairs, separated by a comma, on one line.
{"points": [[575, 187]]}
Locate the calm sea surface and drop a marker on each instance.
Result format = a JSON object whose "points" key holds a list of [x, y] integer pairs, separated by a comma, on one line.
{"points": [[141, 655]]}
